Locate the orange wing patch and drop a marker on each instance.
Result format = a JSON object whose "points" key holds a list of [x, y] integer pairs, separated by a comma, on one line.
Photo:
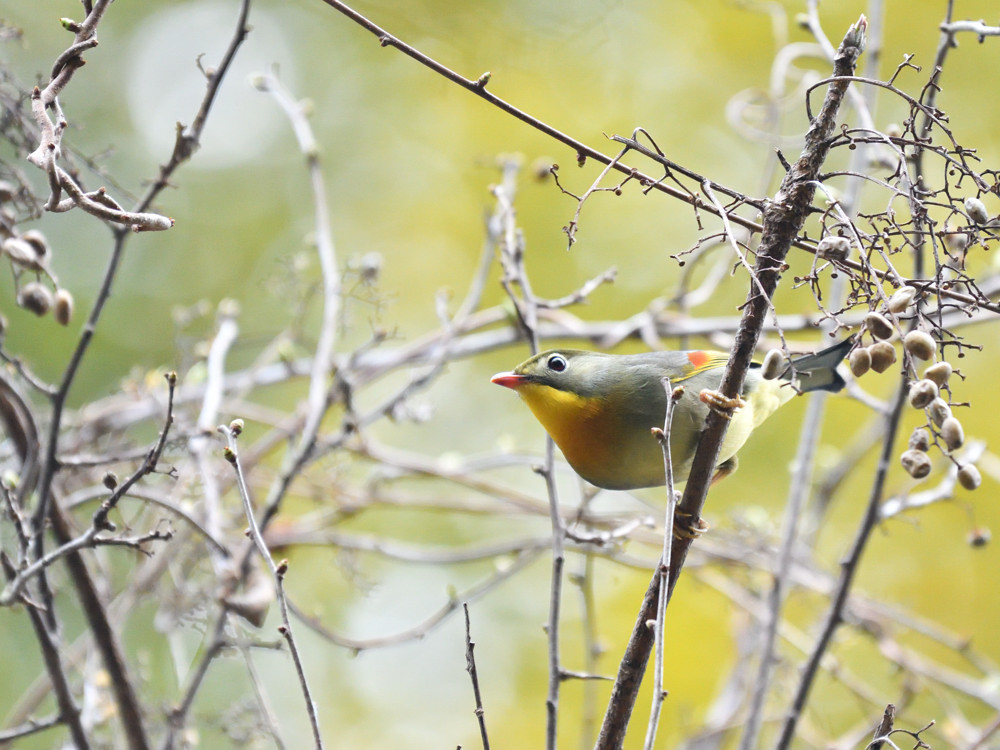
{"points": [[702, 360], [699, 358]]}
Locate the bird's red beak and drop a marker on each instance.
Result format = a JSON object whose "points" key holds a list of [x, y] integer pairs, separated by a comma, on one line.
{"points": [[509, 379]]}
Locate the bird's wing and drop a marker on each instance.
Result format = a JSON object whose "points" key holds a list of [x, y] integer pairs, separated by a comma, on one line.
{"points": [[678, 366], [701, 360]]}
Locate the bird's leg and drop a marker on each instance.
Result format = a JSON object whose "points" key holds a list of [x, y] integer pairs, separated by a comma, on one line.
{"points": [[688, 526], [721, 404], [724, 469]]}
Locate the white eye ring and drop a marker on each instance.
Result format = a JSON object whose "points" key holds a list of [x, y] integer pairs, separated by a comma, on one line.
{"points": [[557, 363]]}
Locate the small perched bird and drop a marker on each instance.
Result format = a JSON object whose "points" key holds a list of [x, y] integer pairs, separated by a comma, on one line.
{"points": [[600, 408]]}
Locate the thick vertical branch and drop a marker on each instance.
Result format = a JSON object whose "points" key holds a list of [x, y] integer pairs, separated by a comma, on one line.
{"points": [[784, 217]]}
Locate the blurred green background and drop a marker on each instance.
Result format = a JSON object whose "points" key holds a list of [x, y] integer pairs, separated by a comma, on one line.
{"points": [[408, 159]]}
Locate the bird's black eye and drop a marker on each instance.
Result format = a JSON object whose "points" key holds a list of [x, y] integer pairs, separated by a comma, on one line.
{"points": [[557, 363]]}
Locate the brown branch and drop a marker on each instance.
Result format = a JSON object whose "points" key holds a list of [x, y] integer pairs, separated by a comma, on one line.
{"points": [[104, 634], [68, 711], [46, 508], [20, 425], [470, 667], [189, 138], [49, 462], [783, 219], [105, 637]]}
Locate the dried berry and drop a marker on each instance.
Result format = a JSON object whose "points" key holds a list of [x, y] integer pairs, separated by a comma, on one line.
{"points": [[860, 362], [833, 248], [939, 373], [35, 297], [883, 356], [22, 253], [920, 440], [774, 364], [969, 477], [976, 210], [62, 310], [922, 393], [879, 325], [919, 344], [952, 432], [37, 240], [902, 299], [917, 463], [939, 411]]}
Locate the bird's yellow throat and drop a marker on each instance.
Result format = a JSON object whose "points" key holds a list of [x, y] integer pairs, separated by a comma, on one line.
{"points": [[585, 428]]}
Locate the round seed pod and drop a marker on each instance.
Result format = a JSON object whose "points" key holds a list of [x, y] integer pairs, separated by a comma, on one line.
{"points": [[62, 308], [953, 434], [920, 440], [883, 356], [774, 364], [22, 253], [860, 362], [976, 210], [879, 325], [37, 240], [833, 248], [35, 297], [969, 477], [939, 373], [917, 463], [919, 344], [922, 393], [902, 299], [939, 411]]}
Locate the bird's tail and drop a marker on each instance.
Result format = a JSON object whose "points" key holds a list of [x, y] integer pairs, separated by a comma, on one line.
{"points": [[818, 372]]}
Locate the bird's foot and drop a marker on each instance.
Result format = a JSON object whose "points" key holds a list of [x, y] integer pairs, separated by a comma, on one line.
{"points": [[688, 526], [721, 404], [724, 469]]}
